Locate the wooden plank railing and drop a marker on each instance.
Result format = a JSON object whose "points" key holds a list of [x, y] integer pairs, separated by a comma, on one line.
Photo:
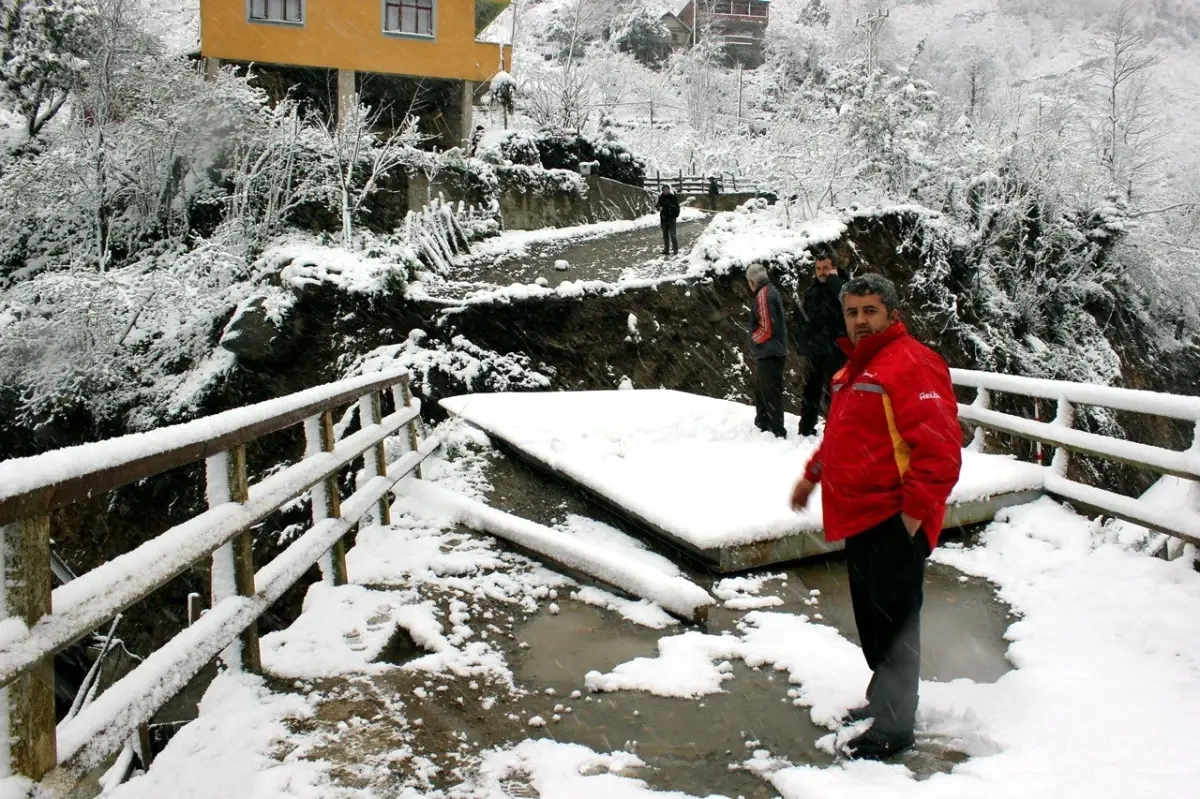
{"points": [[1060, 434], [698, 184], [36, 622]]}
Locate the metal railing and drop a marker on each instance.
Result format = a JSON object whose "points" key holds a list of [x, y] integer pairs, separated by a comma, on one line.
{"points": [[1061, 434], [38, 622]]}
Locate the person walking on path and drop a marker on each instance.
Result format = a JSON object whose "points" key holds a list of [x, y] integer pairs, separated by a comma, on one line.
{"points": [[890, 456], [768, 345], [476, 140], [820, 328], [668, 213], [713, 191]]}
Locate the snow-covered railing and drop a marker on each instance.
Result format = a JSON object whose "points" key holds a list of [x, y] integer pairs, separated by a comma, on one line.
{"points": [[1060, 434], [36, 622], [699, 184]]}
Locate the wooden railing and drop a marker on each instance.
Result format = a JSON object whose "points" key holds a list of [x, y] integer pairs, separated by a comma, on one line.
{"points": [[698, 184], [1060, 434], [38, 622]]}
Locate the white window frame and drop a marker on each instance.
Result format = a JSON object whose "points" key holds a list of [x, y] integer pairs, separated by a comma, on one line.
{"points": [[400, 34], [292, 23]]}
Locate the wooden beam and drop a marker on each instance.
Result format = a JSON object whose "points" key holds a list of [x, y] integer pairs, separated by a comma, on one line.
{"points": [[32, 747]]}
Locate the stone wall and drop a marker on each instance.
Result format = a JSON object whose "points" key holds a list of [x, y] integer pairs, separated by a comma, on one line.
{"points": [[606, 200]]}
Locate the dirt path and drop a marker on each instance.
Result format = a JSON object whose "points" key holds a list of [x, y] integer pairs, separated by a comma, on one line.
{"points": [[609, 258]]}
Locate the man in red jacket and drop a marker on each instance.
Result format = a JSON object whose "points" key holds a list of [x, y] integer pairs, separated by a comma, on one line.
{"points": [[890, 456]]}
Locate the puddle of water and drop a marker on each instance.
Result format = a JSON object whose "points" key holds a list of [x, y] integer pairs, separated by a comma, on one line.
{"points": [[688, 744]]}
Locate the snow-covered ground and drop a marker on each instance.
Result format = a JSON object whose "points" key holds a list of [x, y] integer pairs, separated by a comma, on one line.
{"points": [[693, 466], [1104, 699]]}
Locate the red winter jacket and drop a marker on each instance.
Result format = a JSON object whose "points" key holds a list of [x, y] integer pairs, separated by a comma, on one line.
{"points": [[892, 442]]}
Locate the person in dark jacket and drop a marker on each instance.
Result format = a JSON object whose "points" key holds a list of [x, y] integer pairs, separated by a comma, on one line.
{"points": [[891, 454], [768, 345], [820, 328], [713, 191], [668, 213]]}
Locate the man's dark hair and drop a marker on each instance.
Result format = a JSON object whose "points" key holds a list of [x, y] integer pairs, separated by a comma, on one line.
{"points": [[866, 285], [822, 254]]}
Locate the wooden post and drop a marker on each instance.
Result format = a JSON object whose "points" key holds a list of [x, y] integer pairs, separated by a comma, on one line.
{"points": [[29, 699], [979, 439], [326, 501], [402, 393], [194, 608], [370, 411], [1064, 418], [233, 563]]}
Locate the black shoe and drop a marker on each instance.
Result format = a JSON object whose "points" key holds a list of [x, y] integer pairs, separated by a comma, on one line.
{"points": [[806, 432], [875, 745], [855, 715]]}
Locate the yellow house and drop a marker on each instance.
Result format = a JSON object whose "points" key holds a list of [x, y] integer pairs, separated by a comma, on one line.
{"points": [[416, 38]]}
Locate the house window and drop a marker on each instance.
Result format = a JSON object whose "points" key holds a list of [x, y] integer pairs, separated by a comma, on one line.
{"points": [[277, 11], [411, 17]]}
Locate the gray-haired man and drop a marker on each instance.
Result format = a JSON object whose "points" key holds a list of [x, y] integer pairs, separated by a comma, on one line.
{"points": [[768, 345]]}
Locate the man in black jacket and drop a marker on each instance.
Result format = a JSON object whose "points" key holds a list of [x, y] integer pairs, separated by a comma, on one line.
{"points": [[668, 212], [821, 326], [768, 345]]}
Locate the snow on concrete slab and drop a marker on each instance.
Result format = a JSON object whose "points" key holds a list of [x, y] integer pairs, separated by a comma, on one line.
{"points": [[693, 467]]}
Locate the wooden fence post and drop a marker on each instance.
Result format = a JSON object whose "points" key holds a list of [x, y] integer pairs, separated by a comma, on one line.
{"points": [[29, 699], [233, 563], [370, 410], [402, 394], [326, 501], [979, 439], [1064, 418]]}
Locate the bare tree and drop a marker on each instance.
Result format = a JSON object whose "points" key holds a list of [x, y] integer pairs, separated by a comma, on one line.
{"points": [[979, 74], [363, 153], [1120, 74], [118, 41]]}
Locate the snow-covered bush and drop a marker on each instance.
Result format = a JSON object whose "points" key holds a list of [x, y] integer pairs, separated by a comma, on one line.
{"points": [[44, 47], [99, 344], [561, 149]]}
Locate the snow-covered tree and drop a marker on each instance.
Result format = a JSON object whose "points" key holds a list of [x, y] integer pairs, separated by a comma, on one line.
{"points": [[896, 126], [815, 14], [44, 47], [643, 35], [1128, 124]]}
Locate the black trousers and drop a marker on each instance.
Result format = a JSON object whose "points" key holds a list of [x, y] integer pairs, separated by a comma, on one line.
{"points": [[670, 242], [818, 375], [887, 572], [768, 395]]}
